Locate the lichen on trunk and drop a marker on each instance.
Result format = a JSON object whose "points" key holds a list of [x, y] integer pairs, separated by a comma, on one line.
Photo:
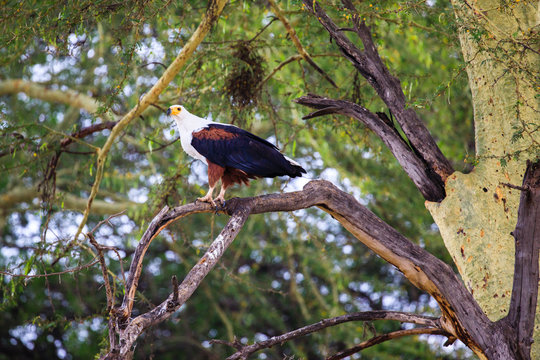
{"points": [[479, 213]]}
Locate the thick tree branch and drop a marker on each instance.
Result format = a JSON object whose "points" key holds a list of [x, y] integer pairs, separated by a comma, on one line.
{"points": [[388, 87], [131, 329], [427, 182], [523, 303], [19, 195], [38, 91], [294, 38], [461, 315], [244, 351], [385, 337]]}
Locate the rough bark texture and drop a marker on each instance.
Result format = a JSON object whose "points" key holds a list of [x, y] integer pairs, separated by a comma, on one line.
{"points": [[521, 316], [461, 316], [478, 215], [370, 66], [422, 176]]}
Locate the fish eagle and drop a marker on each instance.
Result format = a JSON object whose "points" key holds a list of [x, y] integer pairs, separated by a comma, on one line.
{"points": [[233, 155]]}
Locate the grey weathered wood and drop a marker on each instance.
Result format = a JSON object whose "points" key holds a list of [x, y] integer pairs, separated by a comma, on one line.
{"points": [[244, 351], [427, 182], [461, 315], [521, 315], [370, 66]]}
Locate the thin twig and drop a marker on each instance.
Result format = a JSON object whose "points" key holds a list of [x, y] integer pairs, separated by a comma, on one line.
{"points": [[517, 187], [104, 271], [90, 264], [264, 28], [154, 63], [294, 38]]}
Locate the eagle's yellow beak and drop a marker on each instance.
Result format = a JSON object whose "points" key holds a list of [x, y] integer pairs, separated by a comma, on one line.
{"points": [[174, 110]]}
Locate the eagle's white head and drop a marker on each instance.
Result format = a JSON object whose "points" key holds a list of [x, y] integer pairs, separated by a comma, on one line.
{"points": [[177, 111], [186, 121]]}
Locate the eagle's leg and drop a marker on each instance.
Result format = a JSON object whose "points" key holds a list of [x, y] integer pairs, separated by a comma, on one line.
{"points": [[215, 172], [208, 197], [221, 196]]}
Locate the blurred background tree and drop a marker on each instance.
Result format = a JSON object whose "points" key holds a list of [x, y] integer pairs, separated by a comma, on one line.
{"points": [[70, 71]]}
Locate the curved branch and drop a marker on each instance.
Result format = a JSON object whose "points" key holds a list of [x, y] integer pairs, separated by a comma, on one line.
{"points": [[38, 91], [130, 332], [388, 87], [244, 351], [427, 182], [461, 315], [385, 337], [21, 194]]}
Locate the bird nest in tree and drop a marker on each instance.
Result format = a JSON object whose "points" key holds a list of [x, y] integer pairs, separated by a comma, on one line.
{"points": [[242, 85]]}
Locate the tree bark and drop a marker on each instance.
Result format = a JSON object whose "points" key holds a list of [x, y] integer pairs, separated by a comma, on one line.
{"points": [[461, 315], [523, 303], [478, 215]]}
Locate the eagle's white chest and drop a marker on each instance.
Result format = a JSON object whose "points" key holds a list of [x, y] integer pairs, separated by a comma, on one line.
{"points": [[185, 140], [187, 127]]}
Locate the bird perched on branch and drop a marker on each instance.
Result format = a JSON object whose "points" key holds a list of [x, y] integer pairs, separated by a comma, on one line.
{"points": [[233, 155]]}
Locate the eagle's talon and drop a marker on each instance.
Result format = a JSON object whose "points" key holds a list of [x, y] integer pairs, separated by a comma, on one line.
{"points": [[221, 203], [207, 199]]}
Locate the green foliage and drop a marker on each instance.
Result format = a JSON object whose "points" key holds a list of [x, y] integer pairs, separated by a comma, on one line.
{"points": [[284, 270]]}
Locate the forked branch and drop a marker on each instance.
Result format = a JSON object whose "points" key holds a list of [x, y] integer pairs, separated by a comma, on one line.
{"points": [[461, 315], [245, 351], [370, 66], [425, 180], [130, 329]]}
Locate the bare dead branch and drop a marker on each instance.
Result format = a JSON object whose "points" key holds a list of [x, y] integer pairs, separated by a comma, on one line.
{"points": [[370, 66], [385, 337], [133, 328], [427, 182], [244, 351], [523, 302], [153, 229], [461, 315]]}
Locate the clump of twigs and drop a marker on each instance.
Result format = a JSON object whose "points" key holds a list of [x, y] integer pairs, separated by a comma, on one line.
{"points": [[245, 76]]}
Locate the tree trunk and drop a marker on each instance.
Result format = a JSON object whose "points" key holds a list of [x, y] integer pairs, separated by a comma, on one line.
{"points": [[479, 213]]}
